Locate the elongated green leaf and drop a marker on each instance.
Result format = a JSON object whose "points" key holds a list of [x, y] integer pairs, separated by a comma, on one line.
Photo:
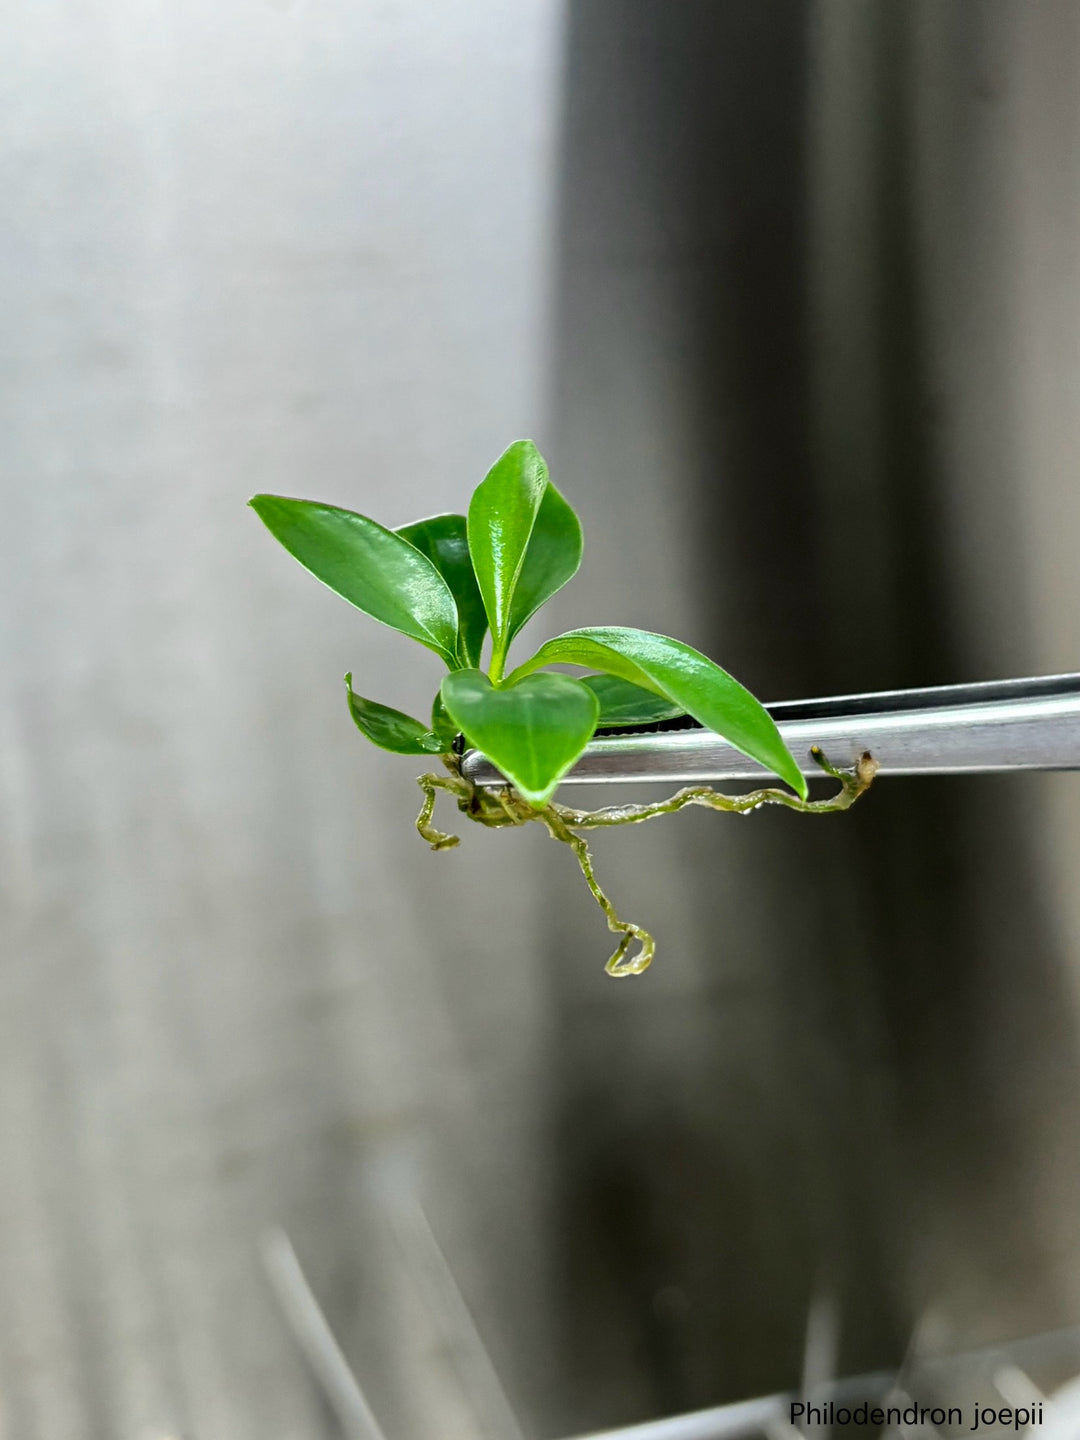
{"points": [[552, 558], [623, 703], [686, 677], [502, 513], [368, 565], [391, 729], [444, 540], [533, 731]]}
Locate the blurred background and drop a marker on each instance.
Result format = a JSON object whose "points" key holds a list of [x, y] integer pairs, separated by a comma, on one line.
{"points": [[788, 294]]}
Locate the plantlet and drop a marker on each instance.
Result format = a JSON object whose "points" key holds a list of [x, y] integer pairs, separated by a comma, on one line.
{"points": [[448, 583]]}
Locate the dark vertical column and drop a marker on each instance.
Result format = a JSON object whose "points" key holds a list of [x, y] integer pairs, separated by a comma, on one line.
{"points": [[748, 365], [717, 1168]]}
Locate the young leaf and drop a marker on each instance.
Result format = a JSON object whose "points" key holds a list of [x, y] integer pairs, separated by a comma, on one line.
{"points": [[390, 729], [368, 565], [502, 514], [443, 727], [551, 558], [533, 730], [622, 703], [443, 539], [684, 676]]}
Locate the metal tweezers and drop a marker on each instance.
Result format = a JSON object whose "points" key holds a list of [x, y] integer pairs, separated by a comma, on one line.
{"points": [[999, 725]]}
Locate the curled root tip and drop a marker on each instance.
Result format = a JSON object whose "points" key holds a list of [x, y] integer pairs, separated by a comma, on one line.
{"points": [[618, 966]]}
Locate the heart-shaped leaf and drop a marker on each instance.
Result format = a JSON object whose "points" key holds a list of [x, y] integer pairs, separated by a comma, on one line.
{"points": [[368, 565], [533, 730], [552, 558], [444, 540], [684, 676], [623, 703], [391, 729], [502, 514]]}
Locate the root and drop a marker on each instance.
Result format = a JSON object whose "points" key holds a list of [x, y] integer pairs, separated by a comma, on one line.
{"points": [[617, 964], [504, 807], [437, 839], [853, 783]]}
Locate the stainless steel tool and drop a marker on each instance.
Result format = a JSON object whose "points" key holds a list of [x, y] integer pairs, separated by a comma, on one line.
{"points": [[999, 725]]}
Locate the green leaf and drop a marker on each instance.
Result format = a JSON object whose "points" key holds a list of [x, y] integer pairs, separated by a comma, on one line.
{"points": [[686, 677], [444, 540], [502, 514], [368, 565], [443, 727], [551, 558], [533, 730], [390, 729], [623, 703]]}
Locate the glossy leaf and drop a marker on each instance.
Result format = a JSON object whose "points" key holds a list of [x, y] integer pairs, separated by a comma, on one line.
{"points": [[391, 729], [533, 730], [502, 514], [684, 676], [552, 558], [442, 726], [368, 565], [623, 703], [444, 540]]}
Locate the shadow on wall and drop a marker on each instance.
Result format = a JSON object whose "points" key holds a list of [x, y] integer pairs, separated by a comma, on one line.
{"points": [[860, 1088]]}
